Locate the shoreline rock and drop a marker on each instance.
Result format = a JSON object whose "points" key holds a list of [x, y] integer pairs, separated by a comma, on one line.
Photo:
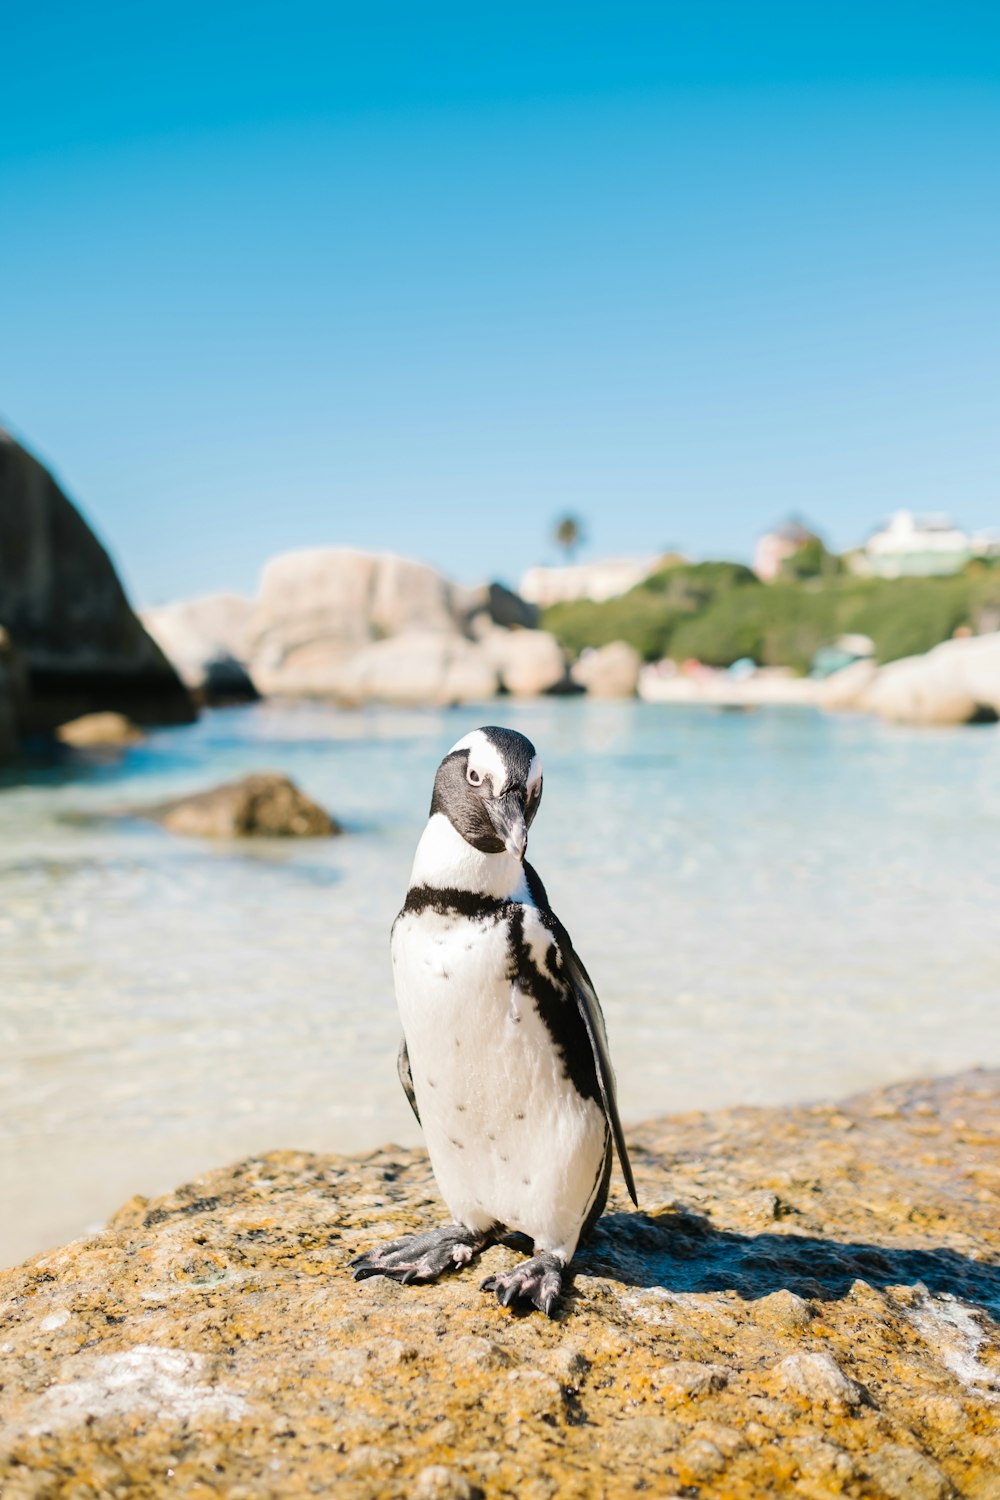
{"points": [[263, 805], [78, 646], [806, 1305]]}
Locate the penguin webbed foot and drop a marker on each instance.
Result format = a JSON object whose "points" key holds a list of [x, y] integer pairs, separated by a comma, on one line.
{"points": [[420, 1257], [537, 1282]]}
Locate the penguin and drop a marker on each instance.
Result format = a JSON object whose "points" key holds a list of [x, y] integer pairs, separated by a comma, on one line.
{"points": [[504, 1057]]}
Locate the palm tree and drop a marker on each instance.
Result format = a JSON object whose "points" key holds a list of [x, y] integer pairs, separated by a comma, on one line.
{"points": [[568, 535]]}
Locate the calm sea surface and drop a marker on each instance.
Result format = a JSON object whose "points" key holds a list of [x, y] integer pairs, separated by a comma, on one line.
{"points": [[774, 907]]}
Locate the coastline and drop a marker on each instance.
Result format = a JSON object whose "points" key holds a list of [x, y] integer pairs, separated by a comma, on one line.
{"points": [[808, 1302]]}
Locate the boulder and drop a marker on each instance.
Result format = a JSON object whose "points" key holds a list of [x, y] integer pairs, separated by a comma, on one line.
{"points": [[211, 1340], [975, 663], [529, 662], [93, 731], [610, 671], [263, 805], [11, 695], [81, 647], [926, 691], [416, 669], [318, 607], [845, 690], [206, 640]]}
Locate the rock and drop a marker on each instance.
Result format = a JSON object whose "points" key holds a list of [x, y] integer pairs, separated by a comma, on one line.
{"points": [[94, 730], [416, 669], [846, 689], [529, 662], [206, 639], [316, 608], [609, 671], [265, 805], [819, 1378], [509, 610], [80, 646], [212, 1340], [688, 1379], [917, 690], [904, 1474], [11, 698]]}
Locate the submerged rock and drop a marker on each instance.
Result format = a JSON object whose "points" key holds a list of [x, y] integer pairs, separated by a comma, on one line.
{"points": [[264, 805], [211, 1341]]}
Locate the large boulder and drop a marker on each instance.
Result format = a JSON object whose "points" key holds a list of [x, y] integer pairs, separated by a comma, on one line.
{"points": [[11, 696], [318, 607], [417, 669], [529, 662], [206, 639], [610, 671], [934, 689], [80, 645], [263, 805]]}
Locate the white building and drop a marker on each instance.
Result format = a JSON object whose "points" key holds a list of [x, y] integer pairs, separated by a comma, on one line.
{"points": [[597, 580], [915, 546]]}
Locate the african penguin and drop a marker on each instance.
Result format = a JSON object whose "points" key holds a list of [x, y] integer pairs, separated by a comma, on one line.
{"points": [[504, 1056]]}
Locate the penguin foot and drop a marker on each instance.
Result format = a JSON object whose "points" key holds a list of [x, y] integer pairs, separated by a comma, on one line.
{"points": [[421, 1257], [537, 1281]]}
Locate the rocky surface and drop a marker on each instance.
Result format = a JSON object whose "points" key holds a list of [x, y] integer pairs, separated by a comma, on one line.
{"points": [[263, 805], [805, 1306], [80, 646]]}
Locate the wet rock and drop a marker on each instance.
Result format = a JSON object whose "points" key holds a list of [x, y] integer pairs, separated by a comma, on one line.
{"points": [[96, 730], [264, 805], [609, 671], [212, 1340]]}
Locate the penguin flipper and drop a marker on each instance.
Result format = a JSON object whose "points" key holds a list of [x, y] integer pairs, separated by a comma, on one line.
{"points": [[406, 1077], [592, 1016], [593, 1019]]}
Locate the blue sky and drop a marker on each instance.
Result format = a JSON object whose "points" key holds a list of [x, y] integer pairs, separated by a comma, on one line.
{"points": [[424, 277]]}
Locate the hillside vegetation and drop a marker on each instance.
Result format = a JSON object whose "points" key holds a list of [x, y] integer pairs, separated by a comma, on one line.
{"points": [[719, 612]]}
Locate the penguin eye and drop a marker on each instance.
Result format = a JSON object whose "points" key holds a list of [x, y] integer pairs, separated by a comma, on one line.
{"points": [[473, 777]]}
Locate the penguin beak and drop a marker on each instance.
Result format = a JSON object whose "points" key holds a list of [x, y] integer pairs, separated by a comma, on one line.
{"points": [[507, 814]]}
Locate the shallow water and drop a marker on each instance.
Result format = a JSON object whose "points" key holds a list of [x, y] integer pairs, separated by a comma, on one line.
{"points": [[774, 907]]}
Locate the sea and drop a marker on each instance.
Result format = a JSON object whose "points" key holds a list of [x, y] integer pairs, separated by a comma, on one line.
{"points": [[775, 907]]}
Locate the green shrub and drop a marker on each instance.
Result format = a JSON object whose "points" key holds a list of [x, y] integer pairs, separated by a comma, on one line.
{"points": [[719, 612]]}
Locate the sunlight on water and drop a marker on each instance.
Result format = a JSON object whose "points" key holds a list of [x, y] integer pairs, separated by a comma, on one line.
{"points": [[774, 907]]}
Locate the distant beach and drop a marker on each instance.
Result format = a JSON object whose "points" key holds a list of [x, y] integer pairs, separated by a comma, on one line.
{"points": [[776, 906]]}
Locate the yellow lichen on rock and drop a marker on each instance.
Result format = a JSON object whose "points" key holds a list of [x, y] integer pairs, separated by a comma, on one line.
{"points": [[843, 1342]]}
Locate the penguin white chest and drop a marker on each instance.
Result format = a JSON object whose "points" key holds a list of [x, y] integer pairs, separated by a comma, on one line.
{"points": [[511, 1140]]}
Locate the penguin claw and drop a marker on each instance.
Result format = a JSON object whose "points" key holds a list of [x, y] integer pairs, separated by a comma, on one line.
{"points": [[419, 1257], [537, 1281]]}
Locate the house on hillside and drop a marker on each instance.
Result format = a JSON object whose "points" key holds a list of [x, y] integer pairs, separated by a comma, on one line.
{"points": [[775, 547], [910, 546]]}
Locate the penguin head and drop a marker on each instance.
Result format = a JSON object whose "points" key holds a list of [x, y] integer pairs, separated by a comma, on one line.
{"points": [[489, 786]]}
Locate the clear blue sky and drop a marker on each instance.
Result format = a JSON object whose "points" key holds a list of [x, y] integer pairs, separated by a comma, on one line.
{"points": [[422, 276]]}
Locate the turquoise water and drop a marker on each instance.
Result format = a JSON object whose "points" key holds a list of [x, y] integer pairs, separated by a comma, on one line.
{"points": [[774, 906]]}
